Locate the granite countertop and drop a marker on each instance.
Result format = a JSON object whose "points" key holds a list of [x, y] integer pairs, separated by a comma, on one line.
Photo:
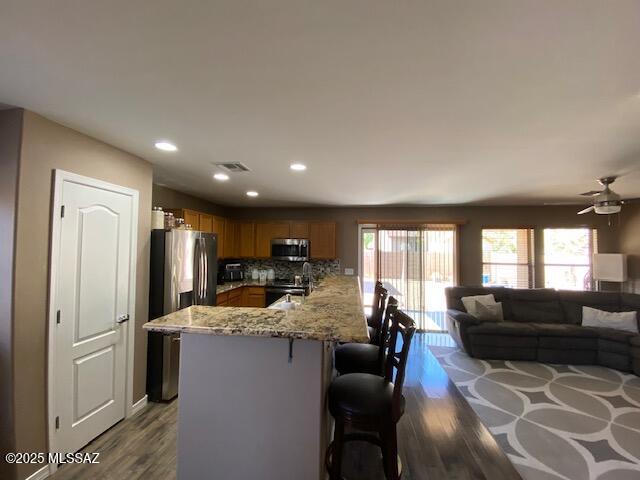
{"points": [[332, 312], [227, 286]]}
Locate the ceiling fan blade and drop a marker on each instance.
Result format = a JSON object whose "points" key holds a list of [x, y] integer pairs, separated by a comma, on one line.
{"points": [[586, 210], [591, 193], [630, 200]]}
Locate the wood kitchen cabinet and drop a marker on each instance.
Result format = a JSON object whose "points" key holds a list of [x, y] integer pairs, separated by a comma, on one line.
{"points": [[265, 232], [218, 226], [322, 236], [205, 223], [253, 297], [246, 239], [222, 299], [191, 217], [299, 229], [229, 244]]}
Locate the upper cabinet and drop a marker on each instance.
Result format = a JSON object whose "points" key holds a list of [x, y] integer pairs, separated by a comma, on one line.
{"points": [[299, 229], [323, 239], [246, 239], [191, 218], [230, 244], [205, 223], [267, 231]]}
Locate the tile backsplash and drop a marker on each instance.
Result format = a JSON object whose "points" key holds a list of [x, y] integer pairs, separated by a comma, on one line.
{"points": [[284, 269]]}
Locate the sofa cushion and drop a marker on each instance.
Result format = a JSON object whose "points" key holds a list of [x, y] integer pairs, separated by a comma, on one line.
{"points": [[573, 301], [563, 330], [564, 336], [630, 302], [455, 294], [635, 340], [566, 356], [615, 360], [503, 328], [503, 334], [504, 353], [615, 335], [540, 305]]}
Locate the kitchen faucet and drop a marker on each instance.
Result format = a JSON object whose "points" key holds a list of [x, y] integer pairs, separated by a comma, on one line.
{"points": [[307, 272]]}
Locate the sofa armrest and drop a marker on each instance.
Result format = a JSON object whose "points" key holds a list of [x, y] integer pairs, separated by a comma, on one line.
{"points": [[463, 317], [457, 324]]}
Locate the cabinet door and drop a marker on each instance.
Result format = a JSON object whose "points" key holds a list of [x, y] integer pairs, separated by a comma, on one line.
{"points": [[254, 297], [246, 239], [299, 229], [205, 223], [191, 218], [222, 299], [322, 236], [267, 231], [229, 243], [218, 227]]}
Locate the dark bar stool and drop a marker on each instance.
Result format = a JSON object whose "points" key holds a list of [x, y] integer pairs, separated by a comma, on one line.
{"points": [[373, 320], [365, 357], [371, 404]]}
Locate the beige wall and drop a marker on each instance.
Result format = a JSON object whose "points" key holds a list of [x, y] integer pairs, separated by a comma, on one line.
{"points": [[47, 146], [630, 243], [167, 198], [10, 134], [474, 217]]}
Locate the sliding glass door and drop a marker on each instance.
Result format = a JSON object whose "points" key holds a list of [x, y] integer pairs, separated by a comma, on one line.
{"points": [[415, 263]]}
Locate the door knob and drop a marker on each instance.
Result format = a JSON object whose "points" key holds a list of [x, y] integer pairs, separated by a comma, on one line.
{"points": [[122, 318]]}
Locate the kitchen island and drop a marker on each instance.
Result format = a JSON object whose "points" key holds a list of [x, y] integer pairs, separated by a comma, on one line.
{"points": [[253, 383]]}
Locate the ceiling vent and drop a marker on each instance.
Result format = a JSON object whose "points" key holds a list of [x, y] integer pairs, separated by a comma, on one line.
{"points": [[233, 167]]}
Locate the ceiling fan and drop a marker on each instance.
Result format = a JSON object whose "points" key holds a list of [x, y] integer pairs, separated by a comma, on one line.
{"points": [[605, 201]]}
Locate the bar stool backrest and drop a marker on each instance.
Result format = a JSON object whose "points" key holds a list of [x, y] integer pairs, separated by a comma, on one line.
{"points": [[401, 325], [379, 306]]}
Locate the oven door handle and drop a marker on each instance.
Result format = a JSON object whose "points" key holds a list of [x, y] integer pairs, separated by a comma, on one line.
{"points": [[284, 291]]}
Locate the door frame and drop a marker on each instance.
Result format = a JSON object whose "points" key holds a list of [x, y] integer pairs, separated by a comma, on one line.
{"points": [[59, 177]]}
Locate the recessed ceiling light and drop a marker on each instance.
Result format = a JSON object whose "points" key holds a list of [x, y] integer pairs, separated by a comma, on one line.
{"points": [[298, 167], [166, 146], [252, 193], [223, 177]]}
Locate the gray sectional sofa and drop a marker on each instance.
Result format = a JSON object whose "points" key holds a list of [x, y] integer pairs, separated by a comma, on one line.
{"points": [[545, 325]]}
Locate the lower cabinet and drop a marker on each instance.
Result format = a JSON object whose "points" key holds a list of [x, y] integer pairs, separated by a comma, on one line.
{"points": [[242, 297]]}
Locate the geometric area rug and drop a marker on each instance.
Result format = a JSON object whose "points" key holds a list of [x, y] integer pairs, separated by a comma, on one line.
{"points": [[570, 422]]}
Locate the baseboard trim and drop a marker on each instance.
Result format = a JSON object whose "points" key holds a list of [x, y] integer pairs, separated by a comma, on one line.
{"points": [[139, 405], [40, 474]]}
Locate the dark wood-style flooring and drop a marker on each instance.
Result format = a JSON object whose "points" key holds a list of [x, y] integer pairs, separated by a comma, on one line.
{"points": [[439, 437]]}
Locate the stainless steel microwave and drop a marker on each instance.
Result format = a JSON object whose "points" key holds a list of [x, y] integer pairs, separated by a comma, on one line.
{"points": [[291, 249]]}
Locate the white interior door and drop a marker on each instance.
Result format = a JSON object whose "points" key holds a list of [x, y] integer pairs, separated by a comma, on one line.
{"points": [[92, 297]]}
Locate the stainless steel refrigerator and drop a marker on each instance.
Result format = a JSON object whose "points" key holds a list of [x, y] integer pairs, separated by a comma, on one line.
{"points": [[183, 273]]}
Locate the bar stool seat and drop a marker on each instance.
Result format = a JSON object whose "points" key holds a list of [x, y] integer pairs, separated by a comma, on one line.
{"points": [[358, 358], [365, 396]]}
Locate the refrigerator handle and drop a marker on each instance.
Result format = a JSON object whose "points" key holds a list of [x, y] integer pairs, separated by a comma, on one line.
{"points": [[196, 271], [200, 269]]}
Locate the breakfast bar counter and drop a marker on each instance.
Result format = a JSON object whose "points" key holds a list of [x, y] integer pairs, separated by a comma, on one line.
{"points": [[253, 383]]}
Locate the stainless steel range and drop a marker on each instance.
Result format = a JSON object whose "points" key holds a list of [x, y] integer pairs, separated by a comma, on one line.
{"points": [[279, 287]]}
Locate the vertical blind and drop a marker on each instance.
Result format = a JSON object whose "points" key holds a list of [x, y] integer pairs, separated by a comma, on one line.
{"points": [[507, 257], [416, 263]]}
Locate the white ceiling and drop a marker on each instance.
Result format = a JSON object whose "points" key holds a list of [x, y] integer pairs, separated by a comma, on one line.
{"points": [[387, 102]]}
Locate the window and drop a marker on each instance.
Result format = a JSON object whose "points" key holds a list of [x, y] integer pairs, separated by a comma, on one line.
{"points": [[507, 257], [567, 257]]}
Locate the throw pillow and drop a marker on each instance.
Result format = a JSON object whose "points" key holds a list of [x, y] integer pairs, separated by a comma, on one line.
{"points": [[470, 302], [489, 312], [626, 321]]}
